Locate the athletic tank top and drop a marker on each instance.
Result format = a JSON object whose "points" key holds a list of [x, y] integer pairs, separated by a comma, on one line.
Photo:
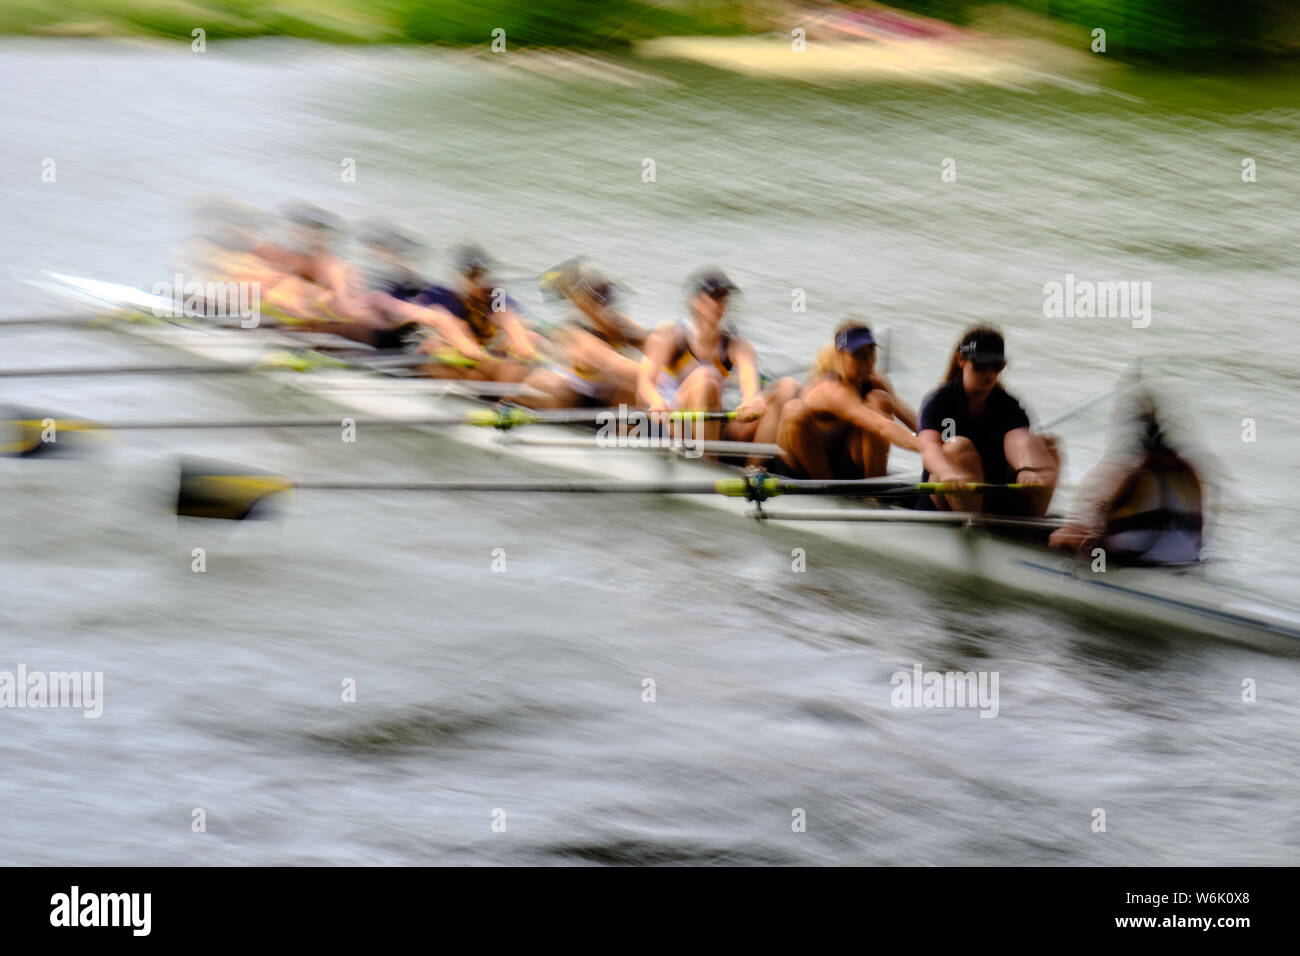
{"points": [[685, 360]]}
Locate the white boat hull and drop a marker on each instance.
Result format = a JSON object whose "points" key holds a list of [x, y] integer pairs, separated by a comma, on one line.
{"points": [[1193, 599]]}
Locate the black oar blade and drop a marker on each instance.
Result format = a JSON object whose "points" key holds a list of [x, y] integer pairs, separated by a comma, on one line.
{"points": [[209, 489], [29, 432]]}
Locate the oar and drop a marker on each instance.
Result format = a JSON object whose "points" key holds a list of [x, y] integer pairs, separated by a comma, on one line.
{"points": [[211, 490], [286, 361], [76, 320], [1053, 420], [1131, 371], [35, 429]]}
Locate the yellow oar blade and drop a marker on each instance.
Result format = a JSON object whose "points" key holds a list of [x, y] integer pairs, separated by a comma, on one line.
{"points": [[228, 492], [26, 433]]}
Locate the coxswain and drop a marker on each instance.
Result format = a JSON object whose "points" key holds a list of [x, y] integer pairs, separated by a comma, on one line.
{"points": [[1142, 505]]}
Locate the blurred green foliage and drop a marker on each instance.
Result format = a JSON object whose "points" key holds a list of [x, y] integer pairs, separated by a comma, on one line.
{"points": [[1173, 32], [581, 23], [1176, 32]]}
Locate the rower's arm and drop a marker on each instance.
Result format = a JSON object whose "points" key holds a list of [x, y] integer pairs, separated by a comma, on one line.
{"points": [[337, 276], [904, 412], [453, 330], [658, 349], [1089, 514], [633, 331], [585, 348], [933, 459], [839, 400], [746, 362], [282, 259], [1032, 452], [521, 342], [1098, 491]]}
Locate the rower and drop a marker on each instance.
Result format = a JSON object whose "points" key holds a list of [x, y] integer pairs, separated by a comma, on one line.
{"points": [[308, 251], [597, 349], [1141, 505], [231, 249], [972, 430], [489, 330], [389, 260], [389, 300], [846, 419], [685, 365]]}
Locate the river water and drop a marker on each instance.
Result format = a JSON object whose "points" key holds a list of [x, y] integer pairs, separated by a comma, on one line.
{"points": [[484, 696]]}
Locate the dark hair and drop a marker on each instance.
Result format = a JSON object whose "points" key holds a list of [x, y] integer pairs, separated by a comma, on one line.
{"points": [[972, 334]]}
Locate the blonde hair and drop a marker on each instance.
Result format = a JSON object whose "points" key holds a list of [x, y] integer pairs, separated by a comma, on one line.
{"points": [[826, 363]]}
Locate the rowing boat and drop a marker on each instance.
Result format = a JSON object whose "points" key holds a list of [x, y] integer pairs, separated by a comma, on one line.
{"points": [[1011, 554]]}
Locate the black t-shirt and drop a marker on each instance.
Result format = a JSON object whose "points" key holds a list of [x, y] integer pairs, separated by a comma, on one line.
{"points": [[1001, 414]]}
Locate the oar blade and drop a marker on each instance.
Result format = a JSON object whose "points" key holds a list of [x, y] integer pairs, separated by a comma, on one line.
{"points": [[30, 432], [210, 489]]}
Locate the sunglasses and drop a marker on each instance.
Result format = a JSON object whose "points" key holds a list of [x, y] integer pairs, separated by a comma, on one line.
{"points": [[995, 366]]}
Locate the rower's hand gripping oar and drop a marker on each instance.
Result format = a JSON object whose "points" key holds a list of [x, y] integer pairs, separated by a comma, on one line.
{"points": [[212, 490]]}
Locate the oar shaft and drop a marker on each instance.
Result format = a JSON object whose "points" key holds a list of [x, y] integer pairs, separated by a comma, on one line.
{"points": [[373, 359], [739, 487], [594, 486], [88, 370], [509, 417]]}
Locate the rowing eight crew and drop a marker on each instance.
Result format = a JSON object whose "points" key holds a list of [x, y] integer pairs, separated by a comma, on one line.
{"points": [[841, 424]]}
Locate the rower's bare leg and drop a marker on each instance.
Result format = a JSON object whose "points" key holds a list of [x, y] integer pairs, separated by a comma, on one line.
{"points": [[875, 448], [802, 442], [1036, 459], [765, 429], [559, 393], [487, 369], [294, 296], [963, 465], [505, 370], [702, 391], [624, 395]]}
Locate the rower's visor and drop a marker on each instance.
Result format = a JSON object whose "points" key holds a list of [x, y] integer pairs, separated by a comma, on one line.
{"points": [[714, 283], [985, 351], [850, 340]]}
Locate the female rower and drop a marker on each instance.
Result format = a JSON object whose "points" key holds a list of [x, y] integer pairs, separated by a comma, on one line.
{"points": [[685, 365], [845, 421], [373, 303], [598, 349], [972, 430], [231, 248], [491, 340]]}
